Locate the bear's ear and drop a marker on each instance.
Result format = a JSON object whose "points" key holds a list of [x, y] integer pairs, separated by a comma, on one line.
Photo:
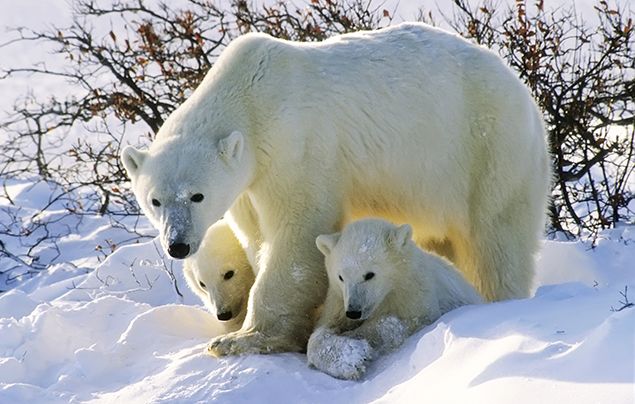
{"points": [[326, 242], [132, 160], [231, 147], [400, 236]]}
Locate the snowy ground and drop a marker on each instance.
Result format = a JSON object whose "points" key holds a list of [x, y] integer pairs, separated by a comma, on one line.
{"points": [[121, 333]]}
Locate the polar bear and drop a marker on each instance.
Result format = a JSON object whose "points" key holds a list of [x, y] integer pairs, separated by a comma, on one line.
{"points": [[220, 274], [382, 289], [291, 140]]}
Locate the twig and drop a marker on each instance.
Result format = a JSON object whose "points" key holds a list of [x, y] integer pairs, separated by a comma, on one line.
{"points": [[625, 303]]}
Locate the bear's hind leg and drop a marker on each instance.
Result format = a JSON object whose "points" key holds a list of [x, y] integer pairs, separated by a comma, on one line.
{"points": [[498, 257]]}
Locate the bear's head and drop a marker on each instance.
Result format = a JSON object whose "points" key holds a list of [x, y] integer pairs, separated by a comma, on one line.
{"points": [[184, 184], [220, 274], [361, 262]]}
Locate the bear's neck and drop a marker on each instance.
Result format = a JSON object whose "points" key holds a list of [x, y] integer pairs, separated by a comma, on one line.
{"points": [[408, 282]]}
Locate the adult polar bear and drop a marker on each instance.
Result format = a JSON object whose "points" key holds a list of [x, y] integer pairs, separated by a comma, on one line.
{"points": [[409, 123]]}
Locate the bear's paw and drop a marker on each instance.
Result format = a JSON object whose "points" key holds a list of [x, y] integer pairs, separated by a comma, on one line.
{"points": [[339, 356], [250, 342]]}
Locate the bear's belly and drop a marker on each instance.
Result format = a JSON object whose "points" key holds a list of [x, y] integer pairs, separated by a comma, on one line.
{"points": [[422, 211]]}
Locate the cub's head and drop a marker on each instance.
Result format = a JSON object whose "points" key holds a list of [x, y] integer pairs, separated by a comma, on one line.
{"points": [[360, 261], [184, 184], [220, 274]]}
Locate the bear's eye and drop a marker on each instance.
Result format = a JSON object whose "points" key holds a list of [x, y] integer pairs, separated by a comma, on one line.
{"points": [[197, 197], [156, 202], [202, 284], [228, 275], [340, 277], [369, 276]]}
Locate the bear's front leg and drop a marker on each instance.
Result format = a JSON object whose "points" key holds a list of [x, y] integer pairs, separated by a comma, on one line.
{"points": [[290, 286]]}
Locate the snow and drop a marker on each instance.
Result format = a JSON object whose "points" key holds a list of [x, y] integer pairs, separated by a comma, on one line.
{"points": [[126, 328]]}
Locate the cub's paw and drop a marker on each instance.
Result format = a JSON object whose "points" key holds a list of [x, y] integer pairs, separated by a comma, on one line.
{"points": [[355, 354], [339, 356], [393, 333]]}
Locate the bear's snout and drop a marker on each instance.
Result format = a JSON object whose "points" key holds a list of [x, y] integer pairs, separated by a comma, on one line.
{"points": [[224, 316], [178, 250], [354, 314]]}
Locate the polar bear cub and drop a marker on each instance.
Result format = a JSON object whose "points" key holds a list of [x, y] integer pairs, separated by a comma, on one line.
{"points": [[220, 274], [382, 288]]}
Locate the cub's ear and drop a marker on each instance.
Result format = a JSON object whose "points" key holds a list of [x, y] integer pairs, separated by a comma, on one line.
{"points": [[132, 160], [231, 147], [400, 236], [326, 242]]}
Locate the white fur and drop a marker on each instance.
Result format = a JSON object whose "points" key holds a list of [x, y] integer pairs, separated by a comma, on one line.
{"points": [[206, 273], [409, 123], [409, 288]]}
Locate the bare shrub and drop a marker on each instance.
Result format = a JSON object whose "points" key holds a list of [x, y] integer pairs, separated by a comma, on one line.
{"points": [[582, 76], [130, 77]]}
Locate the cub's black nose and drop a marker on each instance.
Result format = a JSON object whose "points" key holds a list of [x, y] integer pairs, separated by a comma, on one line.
{"points": [[178, 250], [354, 315], [224, 316]]}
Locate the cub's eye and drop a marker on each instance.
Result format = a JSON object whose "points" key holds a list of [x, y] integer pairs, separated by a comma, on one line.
{"points": [[197, 197], [156, 202], [369, 276], [228, 275], [202, 284], [340, 277]]}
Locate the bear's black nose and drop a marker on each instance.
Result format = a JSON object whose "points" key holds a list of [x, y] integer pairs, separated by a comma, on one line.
{"points": [[178, 250], [224, 316], [354, 315]]}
